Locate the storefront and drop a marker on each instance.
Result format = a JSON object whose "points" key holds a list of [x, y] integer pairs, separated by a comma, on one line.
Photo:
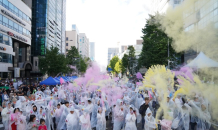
{"points": [[15, 39]]}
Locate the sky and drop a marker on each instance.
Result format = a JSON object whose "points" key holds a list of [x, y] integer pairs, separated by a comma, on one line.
{"points": [[108, 22]]}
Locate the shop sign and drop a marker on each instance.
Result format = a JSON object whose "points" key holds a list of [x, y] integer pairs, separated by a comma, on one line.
{"points": [[2, 48], [16, 36]]}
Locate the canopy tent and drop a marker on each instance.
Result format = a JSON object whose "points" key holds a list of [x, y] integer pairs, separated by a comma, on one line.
{"points": [[202, 61], [50, 81]]}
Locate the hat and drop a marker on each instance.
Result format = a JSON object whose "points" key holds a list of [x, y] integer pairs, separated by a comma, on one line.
{"points": [[72, 109]]}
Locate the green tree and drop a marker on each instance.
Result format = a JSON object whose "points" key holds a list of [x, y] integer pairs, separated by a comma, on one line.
{"points": [[82, 64], [118, 66], [131, 50], [125, 62], [155, 46], [53, 62], [72, 55], [113, 62]]}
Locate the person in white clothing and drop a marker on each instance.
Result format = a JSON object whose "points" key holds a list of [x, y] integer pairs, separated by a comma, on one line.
{"points": [[85, 121], [118, 115], [101, 120], [6, 114], [71, 120], [130, 120], [150, 123]]}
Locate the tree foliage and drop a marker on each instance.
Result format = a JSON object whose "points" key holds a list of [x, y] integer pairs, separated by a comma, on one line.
{"points": [[113, 62], [131, 50], [118, 66], [53, 62], [155, 46]]}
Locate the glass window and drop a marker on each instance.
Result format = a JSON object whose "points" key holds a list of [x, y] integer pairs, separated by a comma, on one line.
{"points": [[66, 44], [5, 3], [35, 63], [16, 27], [10, 41], [20, 14], [16, 10], [66, 38], [0, 19], [20, 29], [1, 1], [4, 57], [5, 21], [24, 31], [11, 24], [11, 7], [24, 16], [5, 40], [1, 38]]}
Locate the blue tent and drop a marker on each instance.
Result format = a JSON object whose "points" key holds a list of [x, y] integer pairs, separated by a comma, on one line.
{"points": [[50, 81]]}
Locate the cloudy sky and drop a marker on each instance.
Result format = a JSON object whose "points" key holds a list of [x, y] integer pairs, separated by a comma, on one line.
{"points": [[107, 22]]}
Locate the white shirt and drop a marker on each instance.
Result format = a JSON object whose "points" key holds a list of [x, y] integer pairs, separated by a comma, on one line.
{"points": [[4, 114]]}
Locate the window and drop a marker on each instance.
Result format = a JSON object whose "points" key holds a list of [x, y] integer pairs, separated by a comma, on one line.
{"points": [[20, 14], [24, 17], [11, 7], [5, 3], [10, 41], [11, 24], [20, 29], [66, 38], [35, 63], [66, 49], [1, 38], [0, 19], [24, 31], [16, 10], [5, 21], [66, 44], [16, 27], [5, 40]]}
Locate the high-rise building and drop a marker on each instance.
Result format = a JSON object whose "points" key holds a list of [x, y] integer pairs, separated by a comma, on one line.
{"points": [[48, 27], [15, 39], [138, 48], [83, 45], [204, 13], [123, 48], [162, 5], [92, 51], [111, 53], [28, 3], [72, 38]]}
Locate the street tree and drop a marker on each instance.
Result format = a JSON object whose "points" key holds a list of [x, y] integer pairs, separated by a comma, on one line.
{"points": [[118, 66], [113, 62], [53, 62], [125, 62], [155, 46]]}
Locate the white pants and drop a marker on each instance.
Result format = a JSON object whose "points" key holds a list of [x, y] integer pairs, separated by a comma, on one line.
{"points": [[6, 125]]}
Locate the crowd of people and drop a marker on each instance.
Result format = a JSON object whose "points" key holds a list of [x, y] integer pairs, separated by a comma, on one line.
{"points": [[42, 107]]}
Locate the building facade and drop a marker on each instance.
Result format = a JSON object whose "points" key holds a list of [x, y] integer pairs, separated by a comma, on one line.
{"points": [[92, 51], [15, 39], [162, 5], [48, 28], [83, 45], [72, 38], [205, 12], [111, 53]]}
